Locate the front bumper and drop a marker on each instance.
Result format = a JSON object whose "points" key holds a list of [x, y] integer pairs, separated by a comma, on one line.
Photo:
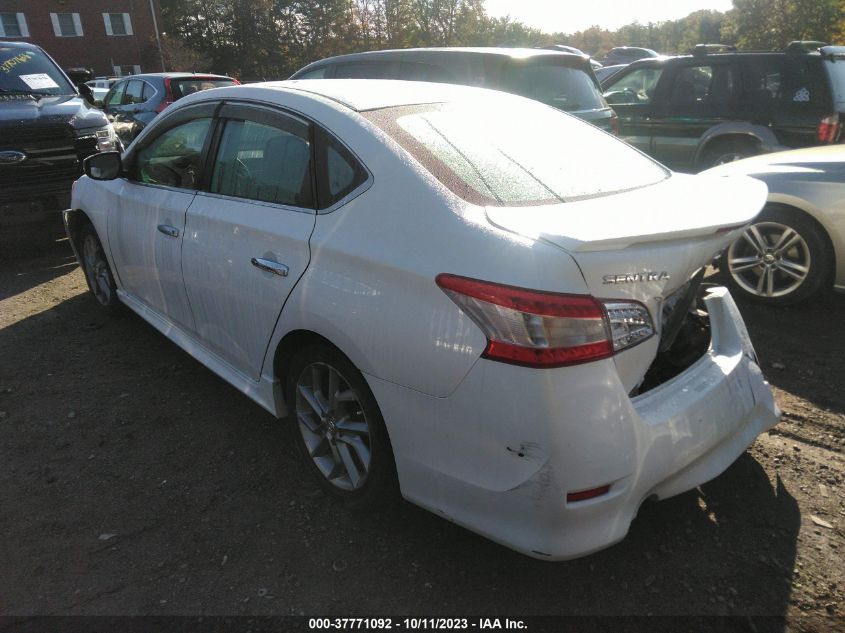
{"points": [[500, 454]]}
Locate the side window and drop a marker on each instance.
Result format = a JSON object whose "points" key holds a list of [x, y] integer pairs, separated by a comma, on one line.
{"points": [[703, 85], [115, 97], [173, 158], [317, 73], [149, 91], [263, 163], [366, 70], [636, 87], [416, 71], [339, 172], [134, 92]]}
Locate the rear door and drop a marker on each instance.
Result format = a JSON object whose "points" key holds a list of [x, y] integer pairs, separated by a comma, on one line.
{"points": [[247, 235], [699, 95]]}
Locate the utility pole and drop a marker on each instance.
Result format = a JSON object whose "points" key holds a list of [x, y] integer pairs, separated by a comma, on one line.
{"points": [[158, 39]]}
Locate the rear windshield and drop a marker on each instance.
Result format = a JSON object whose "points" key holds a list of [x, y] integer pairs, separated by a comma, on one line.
{"points": [[552, 83], [514, 152], [184, 87], [24, 71], [836, 73]]}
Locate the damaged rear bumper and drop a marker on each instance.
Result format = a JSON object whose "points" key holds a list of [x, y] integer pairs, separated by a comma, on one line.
{"points": [[501, 453]]}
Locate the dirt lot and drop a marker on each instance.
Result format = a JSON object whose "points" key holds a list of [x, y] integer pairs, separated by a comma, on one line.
{"points": [[134, 481]]}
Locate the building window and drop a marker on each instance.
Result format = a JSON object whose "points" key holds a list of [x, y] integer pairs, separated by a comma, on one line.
{"points": [[13, 25], [66, 24], [117, 23]]}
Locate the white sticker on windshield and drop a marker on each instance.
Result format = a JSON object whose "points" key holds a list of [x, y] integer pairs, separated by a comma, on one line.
{"points": [[802, 96], [38, 81]]}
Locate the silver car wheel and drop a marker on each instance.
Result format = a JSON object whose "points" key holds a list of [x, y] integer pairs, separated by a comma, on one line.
{"points": [[333, 425], [96, 270], [769, 260]]}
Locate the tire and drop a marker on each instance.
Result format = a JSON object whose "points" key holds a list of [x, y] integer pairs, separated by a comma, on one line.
{"points": [[727, 151], [342, 437], [97, 271], [755, 267]]}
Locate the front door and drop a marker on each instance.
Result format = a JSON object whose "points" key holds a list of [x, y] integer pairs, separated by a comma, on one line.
{"points": [[147, 225], [632, 97], [246, 243]]}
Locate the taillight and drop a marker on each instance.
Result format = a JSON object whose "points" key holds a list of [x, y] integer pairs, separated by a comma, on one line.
{"points": [[168, 96], [828, 130], [614, 124], [535, 328]]}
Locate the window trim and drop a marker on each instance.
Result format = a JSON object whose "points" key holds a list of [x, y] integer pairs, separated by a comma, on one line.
{"points": [[22, 26], [127, 25], [77, 24]]}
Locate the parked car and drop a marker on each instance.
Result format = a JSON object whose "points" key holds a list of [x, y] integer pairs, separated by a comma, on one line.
{"points": [[562, 80], [627, 54], [46, 129], [134, 101], [100, 87], [563, 48], [694, 112], [508, 335], [796, 246]]}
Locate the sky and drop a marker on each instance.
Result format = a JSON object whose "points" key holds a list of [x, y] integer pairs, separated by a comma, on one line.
{"points": [[568, 16]]}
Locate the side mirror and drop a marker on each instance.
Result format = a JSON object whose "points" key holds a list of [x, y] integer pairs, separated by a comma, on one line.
{"points": [[86, 92], [103, 166]]}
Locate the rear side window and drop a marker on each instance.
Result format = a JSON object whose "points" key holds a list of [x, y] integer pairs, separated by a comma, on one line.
{"points": [[184, 87], [264, 163], [540, 157], [134, 92], [565, 88], [339, 172], [416, 71]]}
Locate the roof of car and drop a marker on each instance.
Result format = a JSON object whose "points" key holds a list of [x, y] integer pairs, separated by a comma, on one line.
{"points": [[176, 75], [20, 45], [515, 53], [371, 94]]}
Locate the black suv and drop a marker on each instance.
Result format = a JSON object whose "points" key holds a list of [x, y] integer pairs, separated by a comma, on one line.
{"points": [[562, 80], [46, 129], [696, 111]]}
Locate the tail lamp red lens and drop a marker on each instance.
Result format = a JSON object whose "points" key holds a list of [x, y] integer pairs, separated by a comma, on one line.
{"points": [[535, 328], [828, 129]]}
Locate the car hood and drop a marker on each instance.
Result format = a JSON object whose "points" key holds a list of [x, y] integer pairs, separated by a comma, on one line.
{"points": [[63, 110]]}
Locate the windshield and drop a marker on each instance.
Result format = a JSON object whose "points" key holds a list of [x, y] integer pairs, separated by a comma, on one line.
{"points": [[25, 71], [184, 87], [510, 153], [550, 82]]}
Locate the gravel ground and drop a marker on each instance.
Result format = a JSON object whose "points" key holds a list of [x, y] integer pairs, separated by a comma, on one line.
{"points": [[135, 482]]}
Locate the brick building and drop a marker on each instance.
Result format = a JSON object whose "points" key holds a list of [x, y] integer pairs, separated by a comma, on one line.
{"points": [[110, 37]]}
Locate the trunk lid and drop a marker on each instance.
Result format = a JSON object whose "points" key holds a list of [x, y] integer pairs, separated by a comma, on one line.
{"points": [[644, 244]]}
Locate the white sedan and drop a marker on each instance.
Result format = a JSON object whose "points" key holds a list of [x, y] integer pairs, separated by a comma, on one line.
{"points": [[795, 249], [447, 289]]}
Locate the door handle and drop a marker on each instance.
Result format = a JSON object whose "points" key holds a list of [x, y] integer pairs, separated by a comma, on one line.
{"points": [[270, 266], [170, 231]]}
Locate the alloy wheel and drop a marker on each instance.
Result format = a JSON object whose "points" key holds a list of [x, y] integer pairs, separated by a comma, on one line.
{"points": [[333, 425], [769, 260], [96, 270]]}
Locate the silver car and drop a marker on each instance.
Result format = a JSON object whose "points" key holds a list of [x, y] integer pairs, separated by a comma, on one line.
{"points": [[796, 246]]}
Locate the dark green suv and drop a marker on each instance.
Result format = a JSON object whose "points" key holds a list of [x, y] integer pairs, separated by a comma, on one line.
{"points": [[696, 111]]}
